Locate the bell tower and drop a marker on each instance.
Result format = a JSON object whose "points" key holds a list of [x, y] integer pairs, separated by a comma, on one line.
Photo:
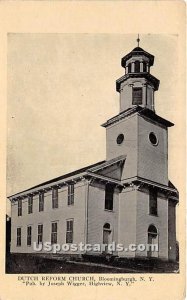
{"points": [[137, 131], [139, 136]]}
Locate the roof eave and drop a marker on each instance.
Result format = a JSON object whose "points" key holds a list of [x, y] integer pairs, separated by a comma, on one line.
{"points": [[144, 112], [47, 187], [162, 187], [104, 178], [146, 75], [137, 53], [108, 163]]}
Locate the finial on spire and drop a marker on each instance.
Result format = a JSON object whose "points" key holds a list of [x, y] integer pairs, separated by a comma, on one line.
{"points": [[138, 40]]}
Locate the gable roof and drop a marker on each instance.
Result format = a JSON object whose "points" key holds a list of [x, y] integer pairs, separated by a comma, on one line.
{"points": [[90, 170], [51, 181], [108, 163]]}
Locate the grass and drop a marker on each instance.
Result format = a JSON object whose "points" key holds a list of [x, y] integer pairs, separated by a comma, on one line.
{"points": [[30, 264]]}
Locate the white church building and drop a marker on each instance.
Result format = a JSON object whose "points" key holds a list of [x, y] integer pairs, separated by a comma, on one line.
{"points": [[126, 199]]}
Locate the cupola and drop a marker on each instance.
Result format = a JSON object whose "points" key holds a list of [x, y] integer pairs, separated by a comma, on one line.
{"points": [[137, 86]]}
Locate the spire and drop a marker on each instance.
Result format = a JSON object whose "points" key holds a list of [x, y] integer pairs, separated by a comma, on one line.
{"points": [[138, 40]]}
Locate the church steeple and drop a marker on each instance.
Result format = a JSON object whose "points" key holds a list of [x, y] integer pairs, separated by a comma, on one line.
{"points": [[137, 86], [137, 131]]}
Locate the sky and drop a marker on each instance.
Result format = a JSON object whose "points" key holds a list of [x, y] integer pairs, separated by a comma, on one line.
{"points": [[61, 88]]}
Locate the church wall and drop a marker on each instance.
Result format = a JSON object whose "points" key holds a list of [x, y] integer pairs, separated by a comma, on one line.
{"points": [[144, 219], [98, 216], [152, 160], [149, 97], [171, 231], [125, 97], [128, 127], [60, 215], [127, 221]]}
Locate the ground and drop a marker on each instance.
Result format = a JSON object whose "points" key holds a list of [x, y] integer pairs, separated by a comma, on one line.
{"points": [[23, 263]]}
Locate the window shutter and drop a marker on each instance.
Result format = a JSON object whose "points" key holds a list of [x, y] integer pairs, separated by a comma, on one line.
{"points": [[137, 96]]}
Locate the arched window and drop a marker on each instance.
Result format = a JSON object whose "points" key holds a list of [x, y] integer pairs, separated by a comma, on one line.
{"points": [[106, 226], [152, 241], [107, 237], [137, 67], [152, 231]]}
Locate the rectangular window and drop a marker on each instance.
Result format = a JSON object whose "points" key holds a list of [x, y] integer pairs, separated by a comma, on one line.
{"points": [[109, 193], [29, 235], [137, 67], [54, 233], [41, 202], [144, 67], [55, 198], [70, 194], [153, 201], [69, 231], [19, 236], [40, 233], [19, 208], [137, 96], [30, 204], [129, 68]]}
